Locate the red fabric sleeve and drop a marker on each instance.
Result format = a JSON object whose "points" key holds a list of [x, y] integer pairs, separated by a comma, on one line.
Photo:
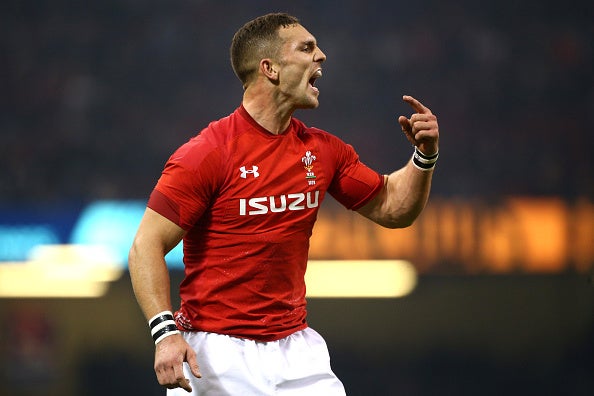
{"points": [[164, 206], [187, 184], [354, 184]]}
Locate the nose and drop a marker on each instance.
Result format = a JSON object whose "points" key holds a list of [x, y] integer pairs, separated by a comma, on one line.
{"points": [[319, 55]]}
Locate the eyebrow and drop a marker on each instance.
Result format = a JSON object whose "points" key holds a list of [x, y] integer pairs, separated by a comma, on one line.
{"points": [[310, 42]]}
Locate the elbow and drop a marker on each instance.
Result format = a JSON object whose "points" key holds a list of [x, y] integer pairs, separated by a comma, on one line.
{"points": [[404, 223], [133, 254], [397, 221], [394, 213], [403, 218], [137, 251], [400, 223]]}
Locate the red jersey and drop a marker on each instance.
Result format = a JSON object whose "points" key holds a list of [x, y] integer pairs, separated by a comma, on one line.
{"points": [[248, 200]]}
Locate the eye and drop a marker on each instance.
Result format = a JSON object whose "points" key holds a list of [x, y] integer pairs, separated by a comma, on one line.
{"points": [[308, 46]]}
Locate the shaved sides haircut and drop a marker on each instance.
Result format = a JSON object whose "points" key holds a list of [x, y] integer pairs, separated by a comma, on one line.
{"points": [[256, 40]]}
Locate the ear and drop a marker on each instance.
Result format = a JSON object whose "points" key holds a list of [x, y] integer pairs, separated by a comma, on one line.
{"points": [[269, 69]]}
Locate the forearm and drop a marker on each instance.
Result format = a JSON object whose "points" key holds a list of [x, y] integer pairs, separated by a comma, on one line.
{"points": [[150, 279], [407, 194]]}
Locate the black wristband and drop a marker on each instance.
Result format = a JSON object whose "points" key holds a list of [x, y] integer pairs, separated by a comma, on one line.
{"points": [[164, 330], [159, 319], [422, 165], [422, 161], [426, 157]]}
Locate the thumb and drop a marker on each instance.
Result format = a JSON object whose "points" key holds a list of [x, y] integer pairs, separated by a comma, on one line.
{"points": [[404, 123], [407, 129]]}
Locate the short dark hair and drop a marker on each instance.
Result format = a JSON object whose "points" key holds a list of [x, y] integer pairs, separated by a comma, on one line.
{"points": [[255, 40]]}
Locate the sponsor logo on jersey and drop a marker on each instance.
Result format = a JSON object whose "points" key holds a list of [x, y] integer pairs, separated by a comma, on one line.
{"points": [[278, 204], [307, 161], [245, 172]]}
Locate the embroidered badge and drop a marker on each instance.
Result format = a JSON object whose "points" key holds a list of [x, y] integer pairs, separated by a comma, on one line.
{"points": [[308, 160]]}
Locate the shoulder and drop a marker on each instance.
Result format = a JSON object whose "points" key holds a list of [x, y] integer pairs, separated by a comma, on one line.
{"points": [[317, 134], [219, 132], [209, 141], [328, 143]]}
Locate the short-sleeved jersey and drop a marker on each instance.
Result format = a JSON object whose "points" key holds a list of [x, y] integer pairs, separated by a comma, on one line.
{"points": [[248, 200]]}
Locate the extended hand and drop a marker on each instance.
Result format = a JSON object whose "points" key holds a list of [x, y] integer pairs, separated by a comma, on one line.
{"points": [[421, 129], [170, 353]]}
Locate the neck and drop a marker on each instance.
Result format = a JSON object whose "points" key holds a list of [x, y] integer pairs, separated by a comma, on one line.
{"points": [[267, 110]]}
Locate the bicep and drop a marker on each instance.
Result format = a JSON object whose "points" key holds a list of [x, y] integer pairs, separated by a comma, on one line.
{"points": [[390, 207], [374, 209], [401, 200], [157, 232]]}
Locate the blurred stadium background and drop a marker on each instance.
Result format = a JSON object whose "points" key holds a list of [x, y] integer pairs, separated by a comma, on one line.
{"points": [[96, 95]]}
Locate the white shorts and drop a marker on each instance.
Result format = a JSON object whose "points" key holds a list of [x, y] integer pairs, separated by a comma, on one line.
{"points": [[295, 365]]}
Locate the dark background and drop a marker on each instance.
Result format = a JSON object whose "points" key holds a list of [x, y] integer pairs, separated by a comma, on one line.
{"points": [[96, 95]]}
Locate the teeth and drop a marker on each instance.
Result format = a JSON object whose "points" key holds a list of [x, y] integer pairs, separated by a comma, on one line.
{"points": [[318, 73]]}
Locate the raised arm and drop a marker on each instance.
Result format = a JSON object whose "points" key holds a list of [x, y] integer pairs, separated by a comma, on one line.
{"points": [[406, 190], [155, 237]]}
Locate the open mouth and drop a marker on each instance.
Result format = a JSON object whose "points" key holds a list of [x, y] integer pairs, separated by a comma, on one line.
{"points": [[317, 74]]}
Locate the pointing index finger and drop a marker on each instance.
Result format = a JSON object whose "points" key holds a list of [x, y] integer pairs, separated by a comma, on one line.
{"points": [[416, 105]]}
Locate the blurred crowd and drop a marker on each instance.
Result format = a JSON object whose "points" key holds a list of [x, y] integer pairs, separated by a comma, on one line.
{"points": [[96, 96]]}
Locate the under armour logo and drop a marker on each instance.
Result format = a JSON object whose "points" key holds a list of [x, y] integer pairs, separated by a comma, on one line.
{"points": [[253, 171]]}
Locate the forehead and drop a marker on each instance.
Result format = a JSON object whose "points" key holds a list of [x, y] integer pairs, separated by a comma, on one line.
{"points": [[295, 35]]}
